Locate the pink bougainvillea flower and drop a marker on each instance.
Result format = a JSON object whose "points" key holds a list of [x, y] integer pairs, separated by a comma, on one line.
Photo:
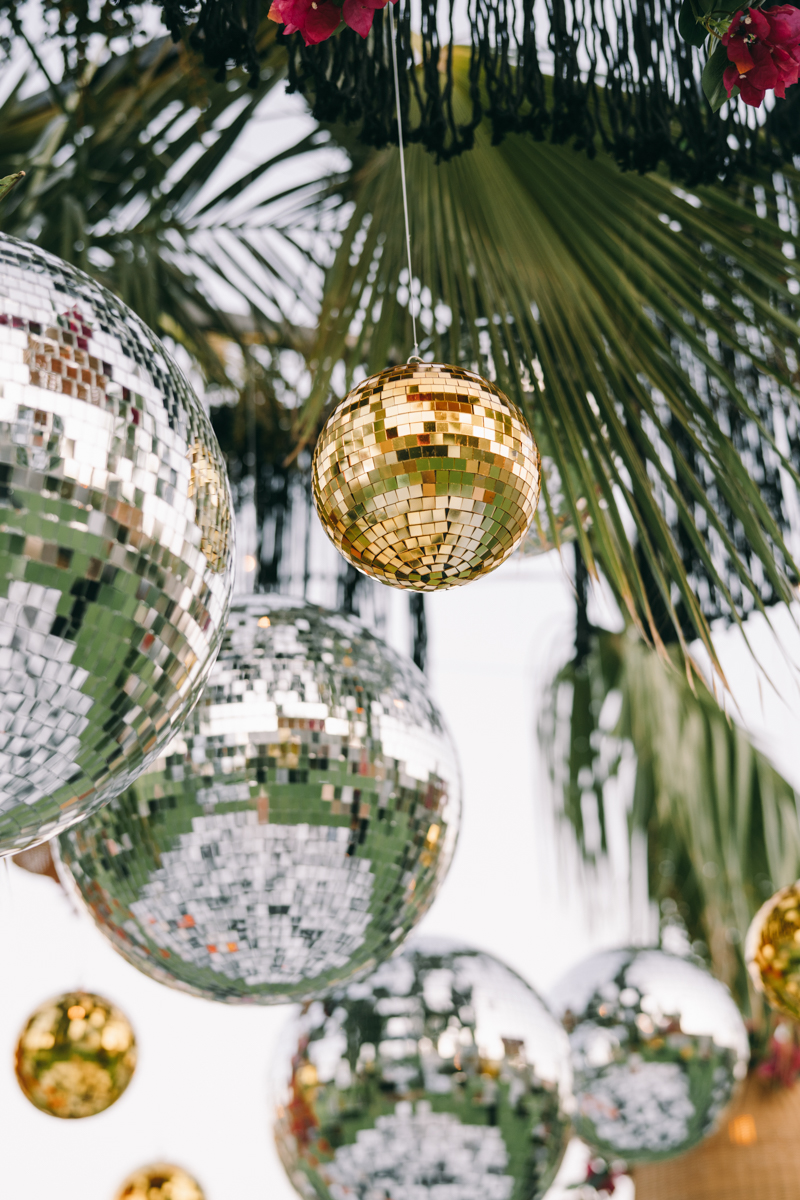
{"points": [[316, 20], [763, 47], [276, 14], [784, 24], [358, 14]]}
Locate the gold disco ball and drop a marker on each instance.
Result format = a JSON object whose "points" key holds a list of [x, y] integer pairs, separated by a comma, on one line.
{"points": [[772, 950], [161, 1181], [76, 1055], [426, 476]]}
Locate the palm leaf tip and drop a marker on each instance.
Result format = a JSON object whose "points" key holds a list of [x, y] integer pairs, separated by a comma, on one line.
{"points": [[10, 181], [719, 822]]}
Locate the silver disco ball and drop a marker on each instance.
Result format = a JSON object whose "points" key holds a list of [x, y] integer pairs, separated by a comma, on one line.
{"points": [[443, 1074], [296, 828], [658, 1046], [115, 546]]}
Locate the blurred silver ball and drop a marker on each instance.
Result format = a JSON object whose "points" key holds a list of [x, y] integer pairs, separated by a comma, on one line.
{"points": [[657, 1048], [294, 831], [115, 546], [443, 1074]]}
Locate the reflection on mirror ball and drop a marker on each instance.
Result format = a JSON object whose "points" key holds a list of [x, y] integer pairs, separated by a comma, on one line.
{"points": [[657, 1047], [772, 950], [76, 1055], [294, 831], [38, 860], [161, 1181], [426, 476], [115, 545], [442, 1074]]}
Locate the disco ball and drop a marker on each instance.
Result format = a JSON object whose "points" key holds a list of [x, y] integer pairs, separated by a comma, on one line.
{"points": [[426, 476], [294, 831], [115, 545], [76, 1055], [161, 1181], [441, 1074], [657, 1047], [772, 950]]}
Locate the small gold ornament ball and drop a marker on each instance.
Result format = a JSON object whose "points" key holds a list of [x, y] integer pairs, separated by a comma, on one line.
{"points": [[426, 476], [76, 1055], [161, 1181], [772, 950]]}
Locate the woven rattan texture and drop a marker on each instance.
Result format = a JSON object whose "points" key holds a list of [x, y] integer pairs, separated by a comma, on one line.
{"points": [[426, 476], [754, 1155]]}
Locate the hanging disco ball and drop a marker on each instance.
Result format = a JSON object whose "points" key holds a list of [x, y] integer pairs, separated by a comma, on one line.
{"points": [[76, 1055], [161, 1181], [426, 476], [115, 545], [772, 950], [657, 1047], [294, 831], [442, 1074]]}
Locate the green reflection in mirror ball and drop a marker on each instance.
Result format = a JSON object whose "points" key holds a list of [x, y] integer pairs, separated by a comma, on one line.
{"points": [[442, 1073], [295, 830]]}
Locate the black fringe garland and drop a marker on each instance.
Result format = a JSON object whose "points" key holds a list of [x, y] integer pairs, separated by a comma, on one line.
{"points": [[610, 74], [629, 85]]}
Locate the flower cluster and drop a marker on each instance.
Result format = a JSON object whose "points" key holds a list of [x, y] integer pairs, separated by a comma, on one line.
{"points": [[781, 1062], [602, 1177], [318, 19], [763, 47]]}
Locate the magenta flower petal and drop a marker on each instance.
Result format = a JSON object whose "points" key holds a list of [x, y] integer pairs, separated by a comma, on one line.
{"points": [[756, 23], [730, 79], [322, 19], [359, 15], [734, 29], [784, 23], [765, 73], [739, 52], [276, 14], [751, 95]]}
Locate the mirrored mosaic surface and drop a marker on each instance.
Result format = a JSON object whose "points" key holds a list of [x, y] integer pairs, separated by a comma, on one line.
{"points": [[115, 545], [294, 831], [657, 1047], [426, 476], [160, 1181], [76, 1055], [772, 950], [442, 1074]]}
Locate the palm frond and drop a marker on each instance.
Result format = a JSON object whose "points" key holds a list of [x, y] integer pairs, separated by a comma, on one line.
{"points": [[720, 821], [650, 335], [136, 174]]}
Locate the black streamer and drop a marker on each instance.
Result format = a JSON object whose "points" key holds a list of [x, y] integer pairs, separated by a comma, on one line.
{"points": [[610, 74]]}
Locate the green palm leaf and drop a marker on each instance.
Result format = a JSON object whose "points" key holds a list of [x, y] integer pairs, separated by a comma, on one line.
{"points": [[649, 335], [720, 822], [132, 176]]}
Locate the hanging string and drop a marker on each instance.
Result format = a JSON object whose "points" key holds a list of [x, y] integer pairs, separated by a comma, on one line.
{"points": [[403, 174]]}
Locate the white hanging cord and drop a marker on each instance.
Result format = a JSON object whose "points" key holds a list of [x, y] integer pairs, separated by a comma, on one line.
{"points": [[403, 175]]}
